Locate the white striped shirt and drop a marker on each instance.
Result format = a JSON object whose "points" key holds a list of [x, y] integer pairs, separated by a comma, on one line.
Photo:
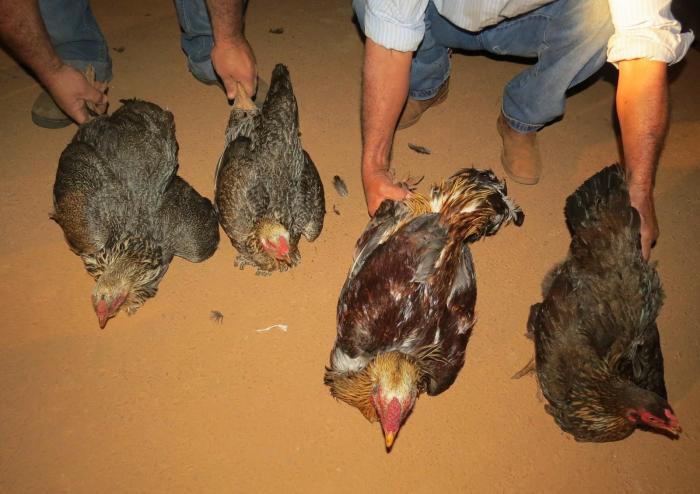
{"points": [[643, 28]]}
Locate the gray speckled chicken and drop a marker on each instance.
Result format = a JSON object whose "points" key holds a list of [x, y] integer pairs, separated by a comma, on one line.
{"points": [[268, 191], [124, 210]]}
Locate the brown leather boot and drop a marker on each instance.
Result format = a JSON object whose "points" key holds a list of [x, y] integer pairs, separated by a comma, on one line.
{"points": [[416, 107], [520, 156]]}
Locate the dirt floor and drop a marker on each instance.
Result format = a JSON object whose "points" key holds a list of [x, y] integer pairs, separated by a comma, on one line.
{"points": [[170, 401]]}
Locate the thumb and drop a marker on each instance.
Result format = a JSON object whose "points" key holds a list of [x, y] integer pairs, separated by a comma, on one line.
{"points": [[397, 193], [231, 90]]}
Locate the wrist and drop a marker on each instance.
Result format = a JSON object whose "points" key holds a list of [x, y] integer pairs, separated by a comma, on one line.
{"points": [[231, 41], [46, 71], [372, 168], [642, 184]]}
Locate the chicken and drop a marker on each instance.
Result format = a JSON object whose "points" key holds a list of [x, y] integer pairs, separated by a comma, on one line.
{"points": [[597, 352], [268, 191], [124, 210], [407, 307]]}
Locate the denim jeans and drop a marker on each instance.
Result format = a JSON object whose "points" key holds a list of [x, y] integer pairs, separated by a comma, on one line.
{"points": [[196, 37], [78, 40], [76, 37], [567, 37]]}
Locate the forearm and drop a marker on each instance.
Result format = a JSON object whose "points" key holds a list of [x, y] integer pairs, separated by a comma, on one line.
{"points": [[386, 76], [23, 32], [226, 20], [642, 108]]}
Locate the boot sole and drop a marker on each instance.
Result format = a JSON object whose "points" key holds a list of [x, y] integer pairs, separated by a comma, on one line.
{"points": [[50, 123], [516, 178]]}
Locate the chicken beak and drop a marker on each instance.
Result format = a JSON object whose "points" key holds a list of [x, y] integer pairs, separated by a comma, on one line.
{"points": [[389, 439], [285, 259], [675, 429], [102, 313]]}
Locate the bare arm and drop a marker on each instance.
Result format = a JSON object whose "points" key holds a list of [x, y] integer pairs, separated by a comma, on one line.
{"points": [[23, 32], [232, 56], [386, 76], [642, 108]]}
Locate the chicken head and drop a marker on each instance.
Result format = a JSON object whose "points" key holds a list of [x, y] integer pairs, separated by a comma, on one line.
{"points": [[395, 381]]}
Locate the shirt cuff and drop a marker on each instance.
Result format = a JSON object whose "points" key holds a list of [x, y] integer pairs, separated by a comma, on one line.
{"points": [[392, 33], [651, 44]]}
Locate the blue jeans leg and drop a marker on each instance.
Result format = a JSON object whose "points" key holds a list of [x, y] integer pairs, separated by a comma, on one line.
{"points": [[573, 46], [569, 39], [430, 66], [196, 38], [76, 36]]}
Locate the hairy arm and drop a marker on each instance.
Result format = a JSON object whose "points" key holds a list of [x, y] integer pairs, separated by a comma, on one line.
{"points": [[232, 55], [386, 75], [642, 108], [23, 32]]}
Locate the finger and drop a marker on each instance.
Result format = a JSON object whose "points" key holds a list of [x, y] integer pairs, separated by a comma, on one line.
{"points": [[646, 246], [396, 193], [80, 115], [230, 86], [101, 108], [250, 86], [100, 101], [101, 98]]}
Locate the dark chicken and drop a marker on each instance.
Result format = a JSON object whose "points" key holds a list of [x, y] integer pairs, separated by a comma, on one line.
{"points": [[268, 191], [597, 352], [124, 210], [407, 307]]}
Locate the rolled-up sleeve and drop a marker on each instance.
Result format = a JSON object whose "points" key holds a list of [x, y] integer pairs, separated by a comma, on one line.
{"points": [[395, 24], [646, 29]]}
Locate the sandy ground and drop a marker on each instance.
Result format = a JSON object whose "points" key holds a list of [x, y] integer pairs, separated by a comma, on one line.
{"points": [[169, 401]]}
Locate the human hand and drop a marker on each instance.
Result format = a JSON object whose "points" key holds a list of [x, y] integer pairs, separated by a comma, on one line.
{"points": [[233, 60], [379, 185], [642, 199], [71, 90]]}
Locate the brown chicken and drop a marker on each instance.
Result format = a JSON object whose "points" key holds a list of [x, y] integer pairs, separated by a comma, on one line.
{"points": [[597, 352], [407, 307], [124, 210]]}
